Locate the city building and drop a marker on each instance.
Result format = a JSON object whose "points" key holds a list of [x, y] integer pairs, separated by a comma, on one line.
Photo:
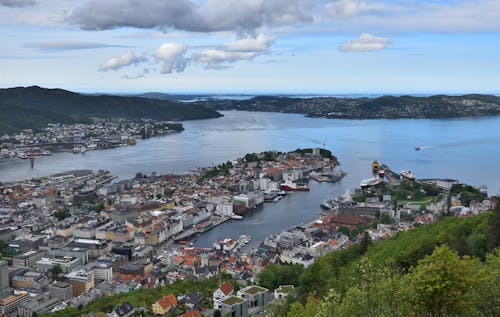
{"points": [[255, 295], [61, 290], [82, 281], [233, 306]]}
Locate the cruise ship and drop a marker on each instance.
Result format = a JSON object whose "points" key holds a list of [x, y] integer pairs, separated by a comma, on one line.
{"points": [[407, 175], [366, 183], [291, 186]]}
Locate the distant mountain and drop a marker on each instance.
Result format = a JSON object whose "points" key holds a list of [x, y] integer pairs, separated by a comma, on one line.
{"points": [[34, 107], [390, 107]]}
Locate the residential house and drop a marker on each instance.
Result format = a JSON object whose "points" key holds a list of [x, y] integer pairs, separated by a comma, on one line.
{"points": [[226, 289], [165, 304]]}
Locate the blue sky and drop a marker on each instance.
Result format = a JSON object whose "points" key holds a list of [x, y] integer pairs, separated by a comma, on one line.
{"points": [[252, 46]]}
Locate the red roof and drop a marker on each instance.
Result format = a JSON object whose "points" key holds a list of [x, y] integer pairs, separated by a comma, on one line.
{"points": [[226, 288], [191, 313], [168, 301]]}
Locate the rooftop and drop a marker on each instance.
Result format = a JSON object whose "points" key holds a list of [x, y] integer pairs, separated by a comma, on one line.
{"points": [[252, 290], [232, 300]]}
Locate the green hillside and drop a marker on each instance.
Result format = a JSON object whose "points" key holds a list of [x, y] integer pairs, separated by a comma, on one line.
{"points": [[35, 106], [449, 268]]}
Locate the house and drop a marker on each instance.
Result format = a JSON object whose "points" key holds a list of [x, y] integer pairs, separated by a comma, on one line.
{"points": [[192, 300], [226, 289], [283, 291], [165, 304], [191, 313], [123, 310], [233, 306], [255, 295]]}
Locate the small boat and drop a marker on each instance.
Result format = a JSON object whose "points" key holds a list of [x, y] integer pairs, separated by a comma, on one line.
{"points": [[418, 148], [237, 217], [45, 153]]}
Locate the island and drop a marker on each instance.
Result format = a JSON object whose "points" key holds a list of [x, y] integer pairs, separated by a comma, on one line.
{"points": [[385, 107]]}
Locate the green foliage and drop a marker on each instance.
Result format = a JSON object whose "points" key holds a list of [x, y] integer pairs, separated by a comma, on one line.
{"points": [[438, 284], [251, 157], [62, 214], [34, 107], [323, 152], [272, 276], [494, 228], [404, 251], [365, 242], [144, 297], [466, 193], [56, 270], [419, 193]]}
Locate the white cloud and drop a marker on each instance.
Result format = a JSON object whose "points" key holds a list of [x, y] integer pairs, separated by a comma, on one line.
{"points": [[172, 56], [365, 43], [260, 43], [126, 59], [241, 49], [17, 3]]}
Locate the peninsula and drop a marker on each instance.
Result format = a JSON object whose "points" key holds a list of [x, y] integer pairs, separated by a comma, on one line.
{"points": [[35, 107]]}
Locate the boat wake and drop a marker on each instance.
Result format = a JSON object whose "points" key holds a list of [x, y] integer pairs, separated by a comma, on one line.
{"points": [[460, 143]]}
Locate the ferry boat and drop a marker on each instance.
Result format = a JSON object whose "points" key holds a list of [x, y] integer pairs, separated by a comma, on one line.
{"points": [[407, 175], [291, 186], [370, 182], [79, 149]]}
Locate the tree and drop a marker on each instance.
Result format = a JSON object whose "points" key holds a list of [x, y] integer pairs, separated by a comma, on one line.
{"points": [[494, 228], [365, 242], [62, 214], [56, 270], [439, 283], [273, 275]]}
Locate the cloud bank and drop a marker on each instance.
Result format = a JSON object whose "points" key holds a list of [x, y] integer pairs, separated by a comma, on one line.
{"points": [[17, 3]]}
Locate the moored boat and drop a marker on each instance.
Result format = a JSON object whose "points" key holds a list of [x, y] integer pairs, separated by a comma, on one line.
{"points": [[291, 186]]}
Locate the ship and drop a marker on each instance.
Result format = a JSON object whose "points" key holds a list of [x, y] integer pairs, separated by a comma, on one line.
{"points": [[370, 182], [418, 148], [79, 149], [291, 186], [408, 175], [381, 173]]}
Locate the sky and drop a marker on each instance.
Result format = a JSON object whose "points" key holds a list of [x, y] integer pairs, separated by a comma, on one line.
{"points": [[252, 46]]}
